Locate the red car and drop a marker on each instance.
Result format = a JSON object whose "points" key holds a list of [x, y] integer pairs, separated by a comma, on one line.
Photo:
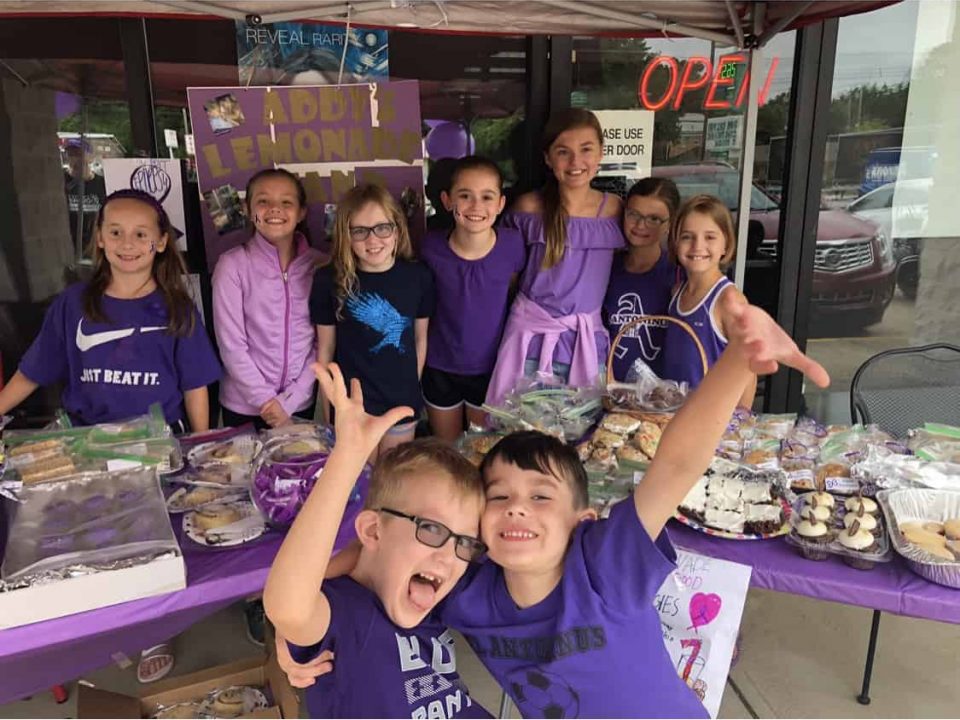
{"points": [[854, 270]]}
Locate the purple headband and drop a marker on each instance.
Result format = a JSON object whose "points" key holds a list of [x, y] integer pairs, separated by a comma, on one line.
{"points": [[131, 194]]}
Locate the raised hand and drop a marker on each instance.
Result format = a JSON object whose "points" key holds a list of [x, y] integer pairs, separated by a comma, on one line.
{"points": [[353, 426], [765, 345]]}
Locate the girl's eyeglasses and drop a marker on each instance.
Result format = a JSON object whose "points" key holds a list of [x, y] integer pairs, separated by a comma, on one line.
{"points": [[435, 534], [651, 221], [359, 233]]}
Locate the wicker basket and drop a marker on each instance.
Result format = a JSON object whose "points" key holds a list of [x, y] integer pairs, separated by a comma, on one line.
{"points": [[640, 319]]}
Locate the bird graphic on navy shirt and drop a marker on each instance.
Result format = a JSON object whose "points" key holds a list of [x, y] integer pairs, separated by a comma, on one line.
{"points": [[380, 316]]}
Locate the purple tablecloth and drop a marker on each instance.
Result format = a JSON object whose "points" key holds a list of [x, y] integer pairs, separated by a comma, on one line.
{"points": [[36, 657], [890, 587]]}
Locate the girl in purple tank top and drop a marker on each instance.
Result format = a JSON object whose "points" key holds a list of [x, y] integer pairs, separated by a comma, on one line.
{"points": [[703, 243]]}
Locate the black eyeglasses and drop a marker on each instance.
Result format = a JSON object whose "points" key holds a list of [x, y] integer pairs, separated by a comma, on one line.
{"points": [[359, 233], [651, 221], [435, 534]]}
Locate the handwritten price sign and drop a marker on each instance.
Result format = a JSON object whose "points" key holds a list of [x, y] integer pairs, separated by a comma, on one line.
{"points": [[700, 608]]}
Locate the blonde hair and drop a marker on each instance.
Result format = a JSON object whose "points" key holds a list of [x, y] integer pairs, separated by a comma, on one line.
{"points": [[555, 216], [420, 457], [342, 257], [714, 208]]}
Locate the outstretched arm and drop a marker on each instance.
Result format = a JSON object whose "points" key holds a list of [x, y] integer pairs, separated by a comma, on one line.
{"points": [[757, 346], [292, 596], [16, 391]]}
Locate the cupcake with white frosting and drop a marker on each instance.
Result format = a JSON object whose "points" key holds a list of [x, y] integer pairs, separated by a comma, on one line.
{"points": [[860, 542]]}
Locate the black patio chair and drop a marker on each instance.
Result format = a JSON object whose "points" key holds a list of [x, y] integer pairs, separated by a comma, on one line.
{"points": [[898, 390], [903, 388]]}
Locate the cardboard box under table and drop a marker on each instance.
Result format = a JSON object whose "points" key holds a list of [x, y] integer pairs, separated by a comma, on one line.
{"points": [[262, 672]]}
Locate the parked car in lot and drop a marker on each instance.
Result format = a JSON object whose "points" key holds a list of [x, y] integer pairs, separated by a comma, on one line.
{"points": [[854, 270], [900, 210]]}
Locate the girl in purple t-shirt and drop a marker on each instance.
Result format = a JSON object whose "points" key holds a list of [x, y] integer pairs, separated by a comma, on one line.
{"points": [[129, 337], [703, 244], [474, 268], [643, 277], [571, 232]]}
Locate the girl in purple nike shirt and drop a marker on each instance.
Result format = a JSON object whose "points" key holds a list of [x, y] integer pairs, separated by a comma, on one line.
{"points": [[128, 338], [704, 243], [131, 336]]}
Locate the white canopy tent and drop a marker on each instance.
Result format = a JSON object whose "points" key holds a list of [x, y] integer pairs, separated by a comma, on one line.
{"points": [[738, 23]]}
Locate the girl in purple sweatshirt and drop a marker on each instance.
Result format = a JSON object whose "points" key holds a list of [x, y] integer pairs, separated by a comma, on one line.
{"points": [[260, 309]]}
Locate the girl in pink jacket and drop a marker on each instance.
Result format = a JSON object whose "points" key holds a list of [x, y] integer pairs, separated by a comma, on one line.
{"points": [[260, 309]]}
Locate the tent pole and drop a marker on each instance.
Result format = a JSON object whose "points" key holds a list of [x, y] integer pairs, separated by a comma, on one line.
{"points": [[764, 38], [735, 22], [746, 175]]}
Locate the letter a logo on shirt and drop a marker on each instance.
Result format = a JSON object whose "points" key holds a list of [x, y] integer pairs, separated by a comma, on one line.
{"points": [[380, 316], [88, 342]]}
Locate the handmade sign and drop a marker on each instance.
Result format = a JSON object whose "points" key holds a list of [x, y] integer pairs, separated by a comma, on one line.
{"points": [[700, 607], [332, 137], [159, 178]]}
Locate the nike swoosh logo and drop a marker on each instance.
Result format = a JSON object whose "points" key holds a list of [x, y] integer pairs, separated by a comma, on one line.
{"points": [[88, 342]]}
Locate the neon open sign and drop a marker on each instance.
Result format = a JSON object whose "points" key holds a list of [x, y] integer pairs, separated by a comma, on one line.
{"points": [[698, 72]]}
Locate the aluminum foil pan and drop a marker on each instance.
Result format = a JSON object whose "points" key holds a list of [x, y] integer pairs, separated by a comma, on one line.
{"points": [[925, 505]]}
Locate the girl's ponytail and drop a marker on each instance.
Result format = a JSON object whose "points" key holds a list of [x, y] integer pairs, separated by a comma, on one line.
{"points": [[554, 223]]}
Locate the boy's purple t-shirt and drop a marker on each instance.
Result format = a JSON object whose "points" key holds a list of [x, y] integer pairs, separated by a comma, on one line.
{"points": [[630, 295], [593, 647], [471, 308], [382, 670], [577, 283], [117, 369]]}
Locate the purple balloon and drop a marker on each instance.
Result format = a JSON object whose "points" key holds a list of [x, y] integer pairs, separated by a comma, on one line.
{"points": [[449, 139]]}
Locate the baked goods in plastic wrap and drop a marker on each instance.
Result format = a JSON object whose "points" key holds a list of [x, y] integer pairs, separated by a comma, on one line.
{"points": [[476, 443], [935, 442], [282, 482], [643, 391], [61, 451], [925, 530], [621, 445], [549, 406], [229, 702], [85, 523], [882, 469], [296, 439], [842, 449]]}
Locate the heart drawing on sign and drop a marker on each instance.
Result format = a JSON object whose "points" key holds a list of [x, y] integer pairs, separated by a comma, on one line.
{"points": [[704, 608]]}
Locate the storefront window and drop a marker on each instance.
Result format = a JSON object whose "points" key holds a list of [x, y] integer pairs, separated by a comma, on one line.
{"points": [[884, 244], [64, 117], [695, 90]]}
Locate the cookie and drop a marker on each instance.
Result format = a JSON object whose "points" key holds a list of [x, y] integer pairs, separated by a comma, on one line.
{"points": [[214, 516], [933, 527], [914, 533], [936, 550], [951, 529], [607, 439]]}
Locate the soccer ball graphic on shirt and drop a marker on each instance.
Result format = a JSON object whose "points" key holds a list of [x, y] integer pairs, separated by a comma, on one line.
{"points": [[543, 694]]}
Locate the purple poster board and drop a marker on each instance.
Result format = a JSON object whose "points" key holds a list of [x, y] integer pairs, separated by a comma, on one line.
{"points": [[332, 137]]}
